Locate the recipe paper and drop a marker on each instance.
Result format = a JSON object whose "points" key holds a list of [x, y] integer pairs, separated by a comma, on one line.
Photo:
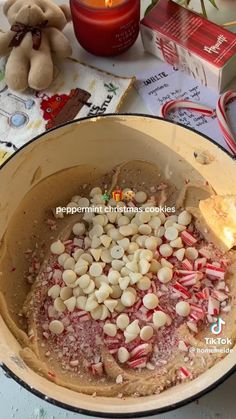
{"points": [[164, 82]]}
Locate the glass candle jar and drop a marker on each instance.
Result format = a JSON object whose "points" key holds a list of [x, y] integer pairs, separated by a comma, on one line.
{"points": [[106, 27]]}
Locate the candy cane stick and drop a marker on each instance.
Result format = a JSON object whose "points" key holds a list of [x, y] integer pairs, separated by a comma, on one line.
{"points": [[205, 110], [223, 119], [185, 104]]}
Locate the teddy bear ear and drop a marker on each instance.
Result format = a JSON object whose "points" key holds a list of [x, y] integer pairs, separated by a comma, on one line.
{"points": [[66, 10], [7, 5]]}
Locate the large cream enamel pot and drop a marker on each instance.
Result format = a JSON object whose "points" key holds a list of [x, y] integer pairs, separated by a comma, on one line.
{"points": [[104, 142]]}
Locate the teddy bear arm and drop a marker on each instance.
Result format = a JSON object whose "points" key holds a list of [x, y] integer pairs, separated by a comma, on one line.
{"points": [[5, 39], [59, 44]]}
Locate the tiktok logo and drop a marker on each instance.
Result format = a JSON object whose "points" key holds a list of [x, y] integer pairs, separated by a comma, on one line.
{"points": [[216, 328]]}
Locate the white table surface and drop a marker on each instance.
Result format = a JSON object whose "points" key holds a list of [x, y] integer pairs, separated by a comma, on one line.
{"points": [[16, 402]]}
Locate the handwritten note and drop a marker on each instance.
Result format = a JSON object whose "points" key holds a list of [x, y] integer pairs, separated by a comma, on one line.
{"points": [[164, 83]]}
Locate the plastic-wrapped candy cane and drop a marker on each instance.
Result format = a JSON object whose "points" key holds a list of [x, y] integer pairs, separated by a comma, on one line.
{"points": [[223, 119], [205, 110]]}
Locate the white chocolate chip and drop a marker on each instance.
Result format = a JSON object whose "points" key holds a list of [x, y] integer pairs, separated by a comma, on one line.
{"points": [[166, 264], [124, 282], [117, 252], [95, 191], [83, 203], [105, 240], [57, 248], [126, 230], [115, 234], [100, 220], [69, 263], [151, 243], [56, 327], [123, 221], [159, 319], [96, 242], [91, 304], [59, 305], [132, 248], [183, 308], [133, 328], [111, 304], [122, 321], [90, 288], [146, 254], [191, 253], [83, 281], [165, 250], [95, 269], [96, 253], [123, 355], [140, 197], [54, 291], [155, 266], [117, 265], [97, 231], [62, 258], [78, 229], [70, 303], [135, 277], [144, 266], [69, 276], [77, 254], [150, 301], [155, 223], [146, 333], [145, 229], [116, 291], [113, 277], [81, 267], [160, 232], [96, 313], [128, 299], [165, 275], [81, 302], [124, 243], [179, 254], [171, 233], [66, 293], [144, 283], [177, 243], [105, 313], [132, 266], [184, 218], [106, 256], [110, 329], [143, 217]]}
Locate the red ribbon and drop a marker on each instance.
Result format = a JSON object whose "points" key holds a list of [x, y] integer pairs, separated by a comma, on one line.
{"points": [[21, 30]]}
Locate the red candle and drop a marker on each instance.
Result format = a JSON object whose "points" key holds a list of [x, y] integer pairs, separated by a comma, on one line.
{"points": [[106, 27]]}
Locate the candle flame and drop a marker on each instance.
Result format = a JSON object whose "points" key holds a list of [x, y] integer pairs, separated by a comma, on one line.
{"points": [[108, 3]]}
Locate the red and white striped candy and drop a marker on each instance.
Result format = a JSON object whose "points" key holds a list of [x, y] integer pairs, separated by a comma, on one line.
{"points": [[184, 372], [181, 290], [185, 104], [186, 264], [138, 363], [188, 238], [141, 351], [199, 264], [97, 369], [219, 295], [215, 271], [188, 280], [223, 119], [213, 307]]}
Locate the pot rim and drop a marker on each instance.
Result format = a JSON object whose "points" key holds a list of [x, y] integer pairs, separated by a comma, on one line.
{"points": [[9, 373]]}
